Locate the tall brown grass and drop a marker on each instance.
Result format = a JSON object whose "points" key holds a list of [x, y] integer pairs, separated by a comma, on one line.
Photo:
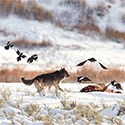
{"points": [[13, 75], [98, 76]]}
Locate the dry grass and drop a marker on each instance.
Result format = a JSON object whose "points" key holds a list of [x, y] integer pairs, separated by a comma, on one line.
{"points": [[13, 75], [98, 76], [111, 33], [29, 10], [92, 114], [77, 3], [25, 43]]}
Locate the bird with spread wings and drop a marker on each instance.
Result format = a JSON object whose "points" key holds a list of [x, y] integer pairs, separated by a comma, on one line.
{"points": [[91, 60]]}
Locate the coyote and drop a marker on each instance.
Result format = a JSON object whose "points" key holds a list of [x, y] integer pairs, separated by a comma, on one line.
{"points": [[49, 79]]}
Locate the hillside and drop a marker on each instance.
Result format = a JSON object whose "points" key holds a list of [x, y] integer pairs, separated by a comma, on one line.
{"points": [[62, 33]]}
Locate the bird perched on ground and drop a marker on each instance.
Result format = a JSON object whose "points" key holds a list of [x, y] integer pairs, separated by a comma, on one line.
{"points": [[32, 58], [84, 79], [8, 45], [91, 60], [20, 55], [117, 85]]}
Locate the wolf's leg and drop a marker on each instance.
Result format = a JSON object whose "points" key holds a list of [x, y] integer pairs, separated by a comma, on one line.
{"points": [[38, 87], [49, 87], [56, 90], [59, 88]]}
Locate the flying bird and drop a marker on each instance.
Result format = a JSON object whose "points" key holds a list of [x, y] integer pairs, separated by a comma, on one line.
{"points": [[91, 60], [20, 55], [84, 79], [8, 45], [117, 85], [32, 58]]}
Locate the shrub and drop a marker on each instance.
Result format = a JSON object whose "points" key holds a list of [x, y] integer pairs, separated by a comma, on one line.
{"points": [[89, 112]]}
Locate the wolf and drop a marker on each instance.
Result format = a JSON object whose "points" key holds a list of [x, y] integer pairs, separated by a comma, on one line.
{"points": [[47, 80]]}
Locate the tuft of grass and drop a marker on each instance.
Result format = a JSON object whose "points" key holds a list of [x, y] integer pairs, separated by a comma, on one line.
{"points": [[33, 110], [89, 112], [122, 107], [68, 105], [115, 121], [5, 94]]}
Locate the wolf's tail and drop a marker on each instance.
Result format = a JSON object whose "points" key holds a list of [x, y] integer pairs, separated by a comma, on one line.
{"points": [[28, 81]]}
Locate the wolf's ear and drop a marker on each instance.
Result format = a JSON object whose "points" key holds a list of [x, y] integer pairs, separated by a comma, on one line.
{"points": [[62, 68]]}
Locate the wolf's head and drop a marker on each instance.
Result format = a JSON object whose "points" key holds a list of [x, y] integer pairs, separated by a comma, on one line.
{"points": [[64, 72]]}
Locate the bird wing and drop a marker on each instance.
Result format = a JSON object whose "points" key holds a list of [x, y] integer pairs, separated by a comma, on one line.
{"points": [[35, 57], [23, 56], [30, 60], [92, 59], [82, 63], [18, 58], [86, 79], [18, 52], [6, 47], [11, 45], [8, 43], [118, 86], [103, 66]]}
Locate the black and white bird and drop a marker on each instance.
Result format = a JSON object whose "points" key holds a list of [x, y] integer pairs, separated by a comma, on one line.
{"points": [[32, 58], [20, 55], [91, 60], [83, 79], [8, 45], [117, 85]]}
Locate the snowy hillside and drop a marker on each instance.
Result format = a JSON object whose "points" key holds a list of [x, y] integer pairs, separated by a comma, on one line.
{"points": [[52, 29], [65, 48]]}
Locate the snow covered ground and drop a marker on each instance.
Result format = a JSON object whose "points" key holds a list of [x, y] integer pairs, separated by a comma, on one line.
{"points": [[20, 104]]}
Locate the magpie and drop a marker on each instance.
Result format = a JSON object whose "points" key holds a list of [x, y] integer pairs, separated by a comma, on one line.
{"points": [[32, 58], [91, 60], [8, 45], [20, 55]]}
